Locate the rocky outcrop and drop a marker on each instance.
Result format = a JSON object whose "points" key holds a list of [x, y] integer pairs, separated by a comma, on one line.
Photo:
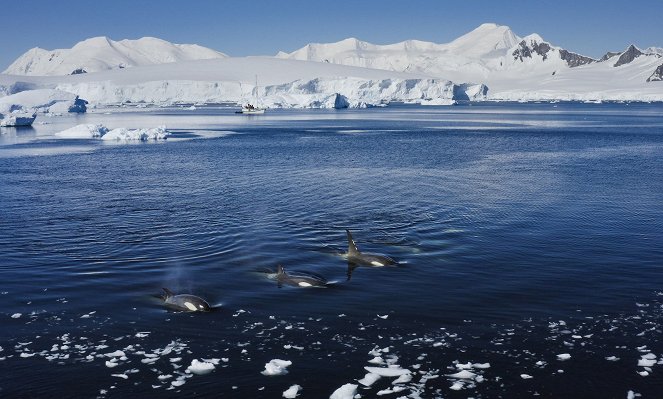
{"points": [[657, 76], [525, 51], [608, 55], [628, 56], [573, 60]]}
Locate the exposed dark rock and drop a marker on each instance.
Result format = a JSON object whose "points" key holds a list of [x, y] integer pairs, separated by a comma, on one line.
{"points": [[79, 106], [78, 71], [525, 51], [608, 55], [657, 76], [573, 59], [628, 56]]}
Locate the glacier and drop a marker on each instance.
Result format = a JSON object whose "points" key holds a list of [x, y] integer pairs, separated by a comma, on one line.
{"points": [[282, 83]]}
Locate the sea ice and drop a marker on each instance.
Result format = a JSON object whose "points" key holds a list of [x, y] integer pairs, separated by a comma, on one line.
{"points": [[200, 368], [276, 367], [117, 353], [563, 356], [369, 379], [464, 374], [16, 315], [83, 131], [387, 371], [124, 134], [292, 392], [347, 391]]}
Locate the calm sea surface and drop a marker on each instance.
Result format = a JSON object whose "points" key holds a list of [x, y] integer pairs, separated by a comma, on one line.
{"points": [[522, 231]]}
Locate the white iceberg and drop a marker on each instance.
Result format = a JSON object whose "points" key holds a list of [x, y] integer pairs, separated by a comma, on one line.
{"points": [[83, 131], [347, 391], [124, 134], [17, 119], [276, 367], [200, 368], [292, 392], [42, 100]]}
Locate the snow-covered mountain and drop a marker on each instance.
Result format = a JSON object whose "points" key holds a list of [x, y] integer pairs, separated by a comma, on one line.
{"points": [[512, 67], [101, 53], [490, 62], [471, 55]]}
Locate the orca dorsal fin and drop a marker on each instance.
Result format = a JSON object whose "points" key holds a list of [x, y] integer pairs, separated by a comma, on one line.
{"points": [[352, 247], [168, 292]]}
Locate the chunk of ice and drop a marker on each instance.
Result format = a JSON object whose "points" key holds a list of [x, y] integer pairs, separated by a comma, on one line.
{"points": [[276, 367]]}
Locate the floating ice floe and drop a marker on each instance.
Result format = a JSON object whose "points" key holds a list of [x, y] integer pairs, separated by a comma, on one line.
{"points": [[96, 131], [464, 375], [200, 368], [563, 356], [647, 360], [347, 391], [388, 371], [292, 392], [124, 134], [83, 131], [117, 353], [276, 367], [369, 379], [16, 315]]}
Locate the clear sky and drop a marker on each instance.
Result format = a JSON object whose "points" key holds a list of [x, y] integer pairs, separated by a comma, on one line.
{"points": [[263, 27]]}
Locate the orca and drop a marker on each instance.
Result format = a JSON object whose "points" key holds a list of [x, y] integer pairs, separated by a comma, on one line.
{"points": [[298, 280], [185, 302], [357, 258]]}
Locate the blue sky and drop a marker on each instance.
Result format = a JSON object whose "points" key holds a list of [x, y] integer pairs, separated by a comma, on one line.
{"points": [[262, 27]]}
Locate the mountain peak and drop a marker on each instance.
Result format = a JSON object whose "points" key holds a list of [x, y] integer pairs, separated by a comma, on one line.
{"points": [[628, 55], [101, 53], [485, 40]]}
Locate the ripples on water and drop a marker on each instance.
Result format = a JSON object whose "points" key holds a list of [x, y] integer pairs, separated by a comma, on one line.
{"points": [[523, 232]]}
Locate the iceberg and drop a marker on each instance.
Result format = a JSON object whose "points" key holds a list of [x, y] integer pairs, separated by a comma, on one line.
{"points": [[124, 134], [16, 119], [83, 131], [43, 100]]}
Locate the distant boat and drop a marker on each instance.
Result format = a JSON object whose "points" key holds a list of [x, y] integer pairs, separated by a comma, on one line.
{"points": [[17, 119], [249, 108]]}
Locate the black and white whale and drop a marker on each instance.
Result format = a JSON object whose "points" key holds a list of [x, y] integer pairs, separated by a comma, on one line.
{"points": [[356, 258], [298, 280], [185, 302], [365, 258]]}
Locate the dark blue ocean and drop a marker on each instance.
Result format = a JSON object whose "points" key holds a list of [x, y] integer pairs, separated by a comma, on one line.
{"points": [[523, 232]]}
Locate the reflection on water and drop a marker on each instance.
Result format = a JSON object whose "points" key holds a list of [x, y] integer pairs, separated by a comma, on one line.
{"points": [[522, 232]]}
